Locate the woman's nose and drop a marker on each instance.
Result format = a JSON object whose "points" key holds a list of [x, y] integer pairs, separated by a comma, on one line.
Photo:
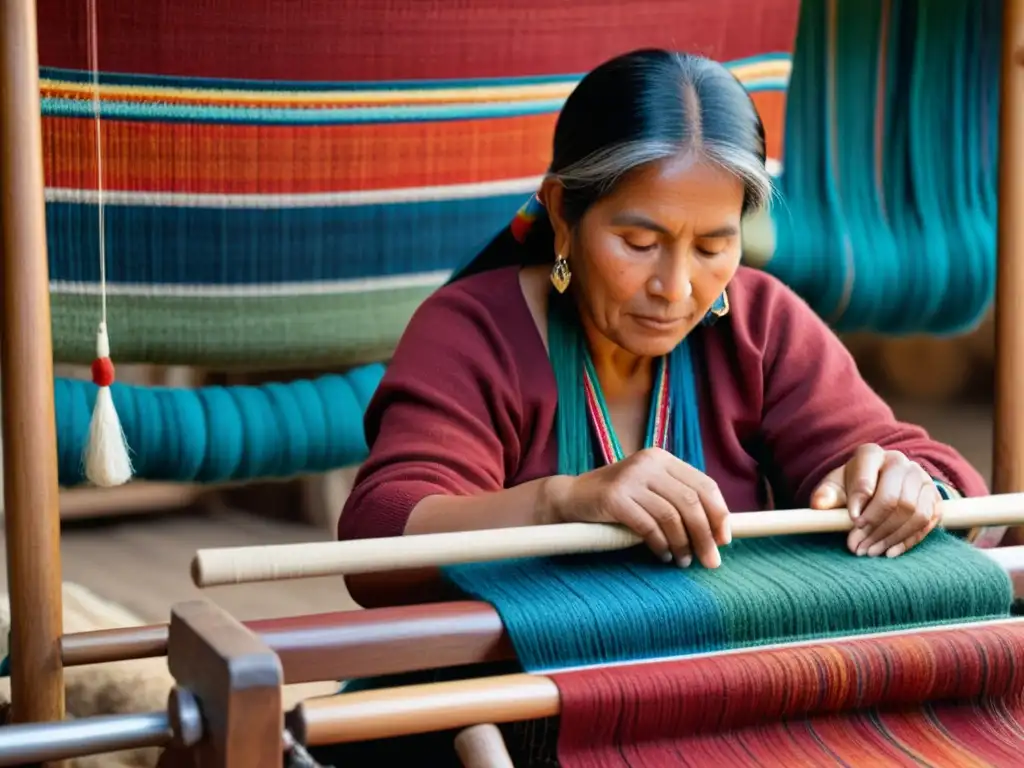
{"points": [[673, 282]]}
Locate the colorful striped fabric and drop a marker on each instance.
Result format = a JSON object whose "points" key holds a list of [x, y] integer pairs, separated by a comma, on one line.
{"points": [[285, 182], [951, 698]]}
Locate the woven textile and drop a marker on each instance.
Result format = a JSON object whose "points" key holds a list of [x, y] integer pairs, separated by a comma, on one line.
{"points": [[580, 610], [939, 698], [287, 181]]}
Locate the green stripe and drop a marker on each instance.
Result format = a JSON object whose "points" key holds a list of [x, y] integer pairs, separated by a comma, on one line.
{"points": [[260, 332]]}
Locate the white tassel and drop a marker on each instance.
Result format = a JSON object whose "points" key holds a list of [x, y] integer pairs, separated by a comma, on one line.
{"points": [[106, 454]]}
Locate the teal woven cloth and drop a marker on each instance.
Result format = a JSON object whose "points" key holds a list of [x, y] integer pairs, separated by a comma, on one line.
{"points": [[591, 609]]}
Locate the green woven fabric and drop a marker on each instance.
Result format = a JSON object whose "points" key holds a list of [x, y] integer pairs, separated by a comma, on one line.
{"points": [[265, 332]]}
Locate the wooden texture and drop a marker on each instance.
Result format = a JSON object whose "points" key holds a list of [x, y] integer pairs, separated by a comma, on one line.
{"points": [[237, 680], [239, 565], [482, 746], [32, 518], [412, 709], [336, 646], [1008, 444]]}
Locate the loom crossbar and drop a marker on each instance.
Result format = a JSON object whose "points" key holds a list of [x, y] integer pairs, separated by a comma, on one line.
{"points": [[240, 565]]}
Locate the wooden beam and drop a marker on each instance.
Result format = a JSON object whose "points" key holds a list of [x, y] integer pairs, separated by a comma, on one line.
{"points": [[32, 516], [1008, 441], [236, 677]]}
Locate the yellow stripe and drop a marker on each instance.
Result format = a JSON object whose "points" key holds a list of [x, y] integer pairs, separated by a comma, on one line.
{"points": [[747, 73]]}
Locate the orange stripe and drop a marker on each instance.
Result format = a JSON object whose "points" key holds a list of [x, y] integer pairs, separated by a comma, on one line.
{"points": [[257, 159], [267, 159], [771, 105], [58, 92]]}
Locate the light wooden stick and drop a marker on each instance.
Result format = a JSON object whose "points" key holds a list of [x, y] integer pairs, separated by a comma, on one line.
{"points": [[482, 746], [241, 565]]}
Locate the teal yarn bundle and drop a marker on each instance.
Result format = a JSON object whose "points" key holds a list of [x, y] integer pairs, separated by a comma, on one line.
{"points": [[887, 215], [580, 610], [221, 434]]}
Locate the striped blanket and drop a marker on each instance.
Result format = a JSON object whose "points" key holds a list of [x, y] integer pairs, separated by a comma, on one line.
{"points": [[286, 181]]}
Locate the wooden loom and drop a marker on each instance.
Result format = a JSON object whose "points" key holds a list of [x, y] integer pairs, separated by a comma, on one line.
{"points": [[39, 652], [225, 711]]}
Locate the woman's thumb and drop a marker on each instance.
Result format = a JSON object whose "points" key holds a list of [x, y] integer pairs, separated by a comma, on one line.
{"points": [[830, 494]]}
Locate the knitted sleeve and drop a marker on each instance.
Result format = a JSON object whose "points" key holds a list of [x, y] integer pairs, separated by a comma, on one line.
{"points": [[817, 409], [443, 421]]}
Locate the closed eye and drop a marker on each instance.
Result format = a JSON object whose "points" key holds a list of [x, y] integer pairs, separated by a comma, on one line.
{"points": [[642, 248], [712, 246]]}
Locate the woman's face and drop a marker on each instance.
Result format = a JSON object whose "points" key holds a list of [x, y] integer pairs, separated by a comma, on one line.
{"points": [[649, 260]]}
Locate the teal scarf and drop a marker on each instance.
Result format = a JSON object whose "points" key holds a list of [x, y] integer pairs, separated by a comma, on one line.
{"points": [[571, 363]]}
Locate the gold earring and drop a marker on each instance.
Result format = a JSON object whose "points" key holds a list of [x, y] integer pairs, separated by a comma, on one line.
{"points": [[561, 274]]}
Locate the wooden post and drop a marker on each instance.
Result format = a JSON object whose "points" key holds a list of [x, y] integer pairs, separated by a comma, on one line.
{"points": [[1008, 448], [237, 679], [32, 517]]}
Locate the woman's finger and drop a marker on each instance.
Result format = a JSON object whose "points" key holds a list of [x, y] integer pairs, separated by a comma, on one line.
{"points": [[905, 546], [698, 528], [885, 499], [711, 499], [909, 515], [670, 522], [631, 514], [922, 520], [830, 493], [860, 478]]}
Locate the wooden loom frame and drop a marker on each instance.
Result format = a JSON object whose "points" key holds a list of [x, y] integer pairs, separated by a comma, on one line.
{"points": [[32, 517]]}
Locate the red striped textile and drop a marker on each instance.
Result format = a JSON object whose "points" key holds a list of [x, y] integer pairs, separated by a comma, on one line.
{"points": [[949, 697], [373, 40]]}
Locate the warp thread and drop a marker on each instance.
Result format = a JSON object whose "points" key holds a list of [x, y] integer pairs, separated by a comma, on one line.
{"points": [[890, 172], [220, 434], [579, 610], [940, 698]]}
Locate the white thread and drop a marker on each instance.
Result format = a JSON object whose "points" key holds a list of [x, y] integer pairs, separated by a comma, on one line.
{"points": [[94, 65]]}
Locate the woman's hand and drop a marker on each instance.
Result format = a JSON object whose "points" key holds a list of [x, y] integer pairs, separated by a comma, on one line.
{"points": [[892, 500], [678, 510]]}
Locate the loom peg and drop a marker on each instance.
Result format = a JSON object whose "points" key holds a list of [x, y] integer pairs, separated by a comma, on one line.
{"points": [[482, 746], [241, 565]]}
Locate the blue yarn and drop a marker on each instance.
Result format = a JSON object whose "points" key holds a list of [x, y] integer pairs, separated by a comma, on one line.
{"points": [[217, 434], [915, 253]]}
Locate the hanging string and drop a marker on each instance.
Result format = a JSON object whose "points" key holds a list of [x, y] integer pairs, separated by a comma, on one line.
{"points": [[106, 453]]}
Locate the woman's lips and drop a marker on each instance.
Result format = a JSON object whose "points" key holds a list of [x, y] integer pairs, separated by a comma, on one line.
{"points": [[659, 324]]}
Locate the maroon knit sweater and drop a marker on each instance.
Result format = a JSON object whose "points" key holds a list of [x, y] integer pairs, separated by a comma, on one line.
{"points": [[468, 404]]}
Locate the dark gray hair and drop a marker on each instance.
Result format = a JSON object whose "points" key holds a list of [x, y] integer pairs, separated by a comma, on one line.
{"points": [[651, 105]]}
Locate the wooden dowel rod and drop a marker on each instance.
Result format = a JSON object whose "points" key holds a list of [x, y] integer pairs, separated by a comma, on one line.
{"points": [[430, 707], [1008, 439], [423, 708], [341, 645], [32, 516], [240, 565], [482, 746]]}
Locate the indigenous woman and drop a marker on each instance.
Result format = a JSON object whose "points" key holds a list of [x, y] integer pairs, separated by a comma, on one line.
{"points": [[607, 359]]}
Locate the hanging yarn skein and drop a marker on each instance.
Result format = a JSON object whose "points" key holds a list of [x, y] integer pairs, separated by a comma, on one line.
{"points": [[106, 458]]}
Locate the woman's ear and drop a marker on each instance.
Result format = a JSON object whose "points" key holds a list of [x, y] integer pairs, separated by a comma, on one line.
{"points": [[550, 196]]}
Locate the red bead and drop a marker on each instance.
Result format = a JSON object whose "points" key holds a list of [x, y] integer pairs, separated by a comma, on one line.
{"points": [[102, 372]]}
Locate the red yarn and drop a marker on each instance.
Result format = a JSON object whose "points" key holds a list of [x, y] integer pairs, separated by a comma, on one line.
{"points": [[102, 372], [864, 701]]}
